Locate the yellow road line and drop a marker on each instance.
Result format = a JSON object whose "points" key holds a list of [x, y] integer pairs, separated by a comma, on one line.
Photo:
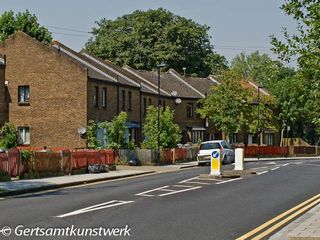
{"points": [[284, 221], [265, 225]]}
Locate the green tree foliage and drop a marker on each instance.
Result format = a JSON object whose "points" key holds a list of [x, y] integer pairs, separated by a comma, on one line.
{"points": [[8, 136], [231, 106], [170, 134], [303, 46], [91, 135], [260, 68], [115, 131], [24, 21], [227, 105], [144, 38]]}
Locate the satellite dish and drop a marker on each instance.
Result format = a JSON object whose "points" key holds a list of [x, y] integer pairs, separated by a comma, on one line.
{"points": [[174, 93], [82, 130], [177, 100]]}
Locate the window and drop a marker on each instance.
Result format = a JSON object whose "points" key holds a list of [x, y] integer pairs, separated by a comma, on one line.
{"points": [[24, 135], [104, 97], [234, 138], [268, 139], [123, 100], [189, 109], [164, 105], [150, 102], [160, 103], [129, 101], [145, 107], [23, 94], [96, 96]]}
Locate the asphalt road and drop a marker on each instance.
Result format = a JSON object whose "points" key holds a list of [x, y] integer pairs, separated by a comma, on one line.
{"points": [[175, 205]]}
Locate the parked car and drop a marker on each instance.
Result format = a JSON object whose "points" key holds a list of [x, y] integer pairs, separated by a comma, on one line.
{"points": [[205, 149]]}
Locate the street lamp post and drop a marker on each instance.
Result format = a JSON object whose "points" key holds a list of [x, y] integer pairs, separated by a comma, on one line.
{"points": [[259, 121], [159, 66]]}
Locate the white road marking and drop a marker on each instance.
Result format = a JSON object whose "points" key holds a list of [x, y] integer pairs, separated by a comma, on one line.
{"points": [[166, 190], [298, 163], [271, 163], [199, 183], [183, 190], [258, 168], [145, 195], [183, 186], [188, 179], [155, 189], [285, 164], [260, 173], [272, 169], [231, 180], [109, 204]]}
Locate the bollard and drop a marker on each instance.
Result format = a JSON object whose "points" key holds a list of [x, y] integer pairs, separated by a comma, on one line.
{"points": [[215, 163], [239, 159]]}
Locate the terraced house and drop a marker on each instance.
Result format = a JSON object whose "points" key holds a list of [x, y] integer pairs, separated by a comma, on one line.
{"points": [[51, 92]]}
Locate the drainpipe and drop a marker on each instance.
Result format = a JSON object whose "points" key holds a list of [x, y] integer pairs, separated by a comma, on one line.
{"points": [[118, 100]]}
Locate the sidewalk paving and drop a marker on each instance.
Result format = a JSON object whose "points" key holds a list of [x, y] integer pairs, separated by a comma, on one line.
{"points": [[306, 227], [32, 185], [281, 158]]}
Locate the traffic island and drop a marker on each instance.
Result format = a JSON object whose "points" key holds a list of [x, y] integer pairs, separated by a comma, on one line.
{"points": [[230, 174]]}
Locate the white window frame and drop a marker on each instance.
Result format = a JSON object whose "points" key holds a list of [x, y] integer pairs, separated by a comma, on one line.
{"points": [[24, 135], [24, 94]]}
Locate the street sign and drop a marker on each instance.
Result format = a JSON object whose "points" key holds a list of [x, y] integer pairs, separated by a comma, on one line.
{"points": [[215, 163]]}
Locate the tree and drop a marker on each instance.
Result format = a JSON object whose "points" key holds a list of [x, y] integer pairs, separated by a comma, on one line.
{"points": [[26, 22], [227, 105], [304, 47], [8, 136], [143, 39], [260, 68], [170, 134], [115, 131], [91, 135]]}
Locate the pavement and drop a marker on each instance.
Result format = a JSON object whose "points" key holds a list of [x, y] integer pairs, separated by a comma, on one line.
{"points": [[306, 227], [281, 158], [32, 185]]}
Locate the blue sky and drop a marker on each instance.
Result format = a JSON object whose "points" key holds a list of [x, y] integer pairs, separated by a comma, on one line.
{"points": [[236, 26]]}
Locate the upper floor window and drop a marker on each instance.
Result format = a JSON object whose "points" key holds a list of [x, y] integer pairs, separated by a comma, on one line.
{"points": [[104, 97], [23, 94], [96, 96], [123, 100], [129, 101], [24, 135], [189, 109], [144, 107]]}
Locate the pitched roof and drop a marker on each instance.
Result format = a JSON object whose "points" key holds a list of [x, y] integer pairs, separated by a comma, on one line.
{"points": [[116, 71], [202, 85], [168, 82]]}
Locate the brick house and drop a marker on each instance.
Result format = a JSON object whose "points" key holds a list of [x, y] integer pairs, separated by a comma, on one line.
{"points": [[51, 91]]}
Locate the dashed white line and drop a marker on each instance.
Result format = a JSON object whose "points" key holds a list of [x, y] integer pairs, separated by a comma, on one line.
{"points": [[183, 186], [285, 164], [203, 183], [231, 180], [298, 163], [188, 179], [260, 173], [183, 190], [109, 204], [272, 169], [155, 189]]}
